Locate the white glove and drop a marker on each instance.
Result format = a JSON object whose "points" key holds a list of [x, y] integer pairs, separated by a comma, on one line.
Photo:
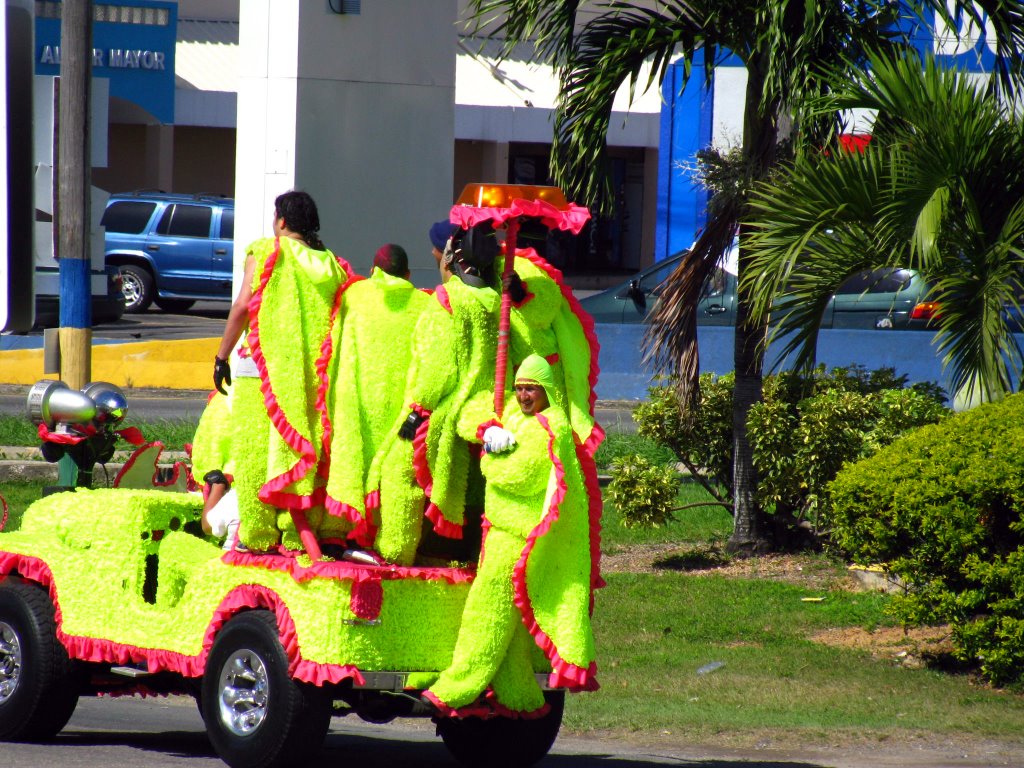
{"points": [[498, 439]]}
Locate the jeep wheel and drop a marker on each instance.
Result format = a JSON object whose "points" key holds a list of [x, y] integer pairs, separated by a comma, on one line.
{"points": [[137, 287], [256, 715], [38, 687], [503, 742], [174, 305]]}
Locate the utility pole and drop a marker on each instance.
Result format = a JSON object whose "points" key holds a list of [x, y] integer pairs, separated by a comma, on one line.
{"points": [[73, 184]]}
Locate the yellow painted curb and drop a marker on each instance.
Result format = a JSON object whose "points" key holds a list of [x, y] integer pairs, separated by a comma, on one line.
{"points": [[179, 364]]}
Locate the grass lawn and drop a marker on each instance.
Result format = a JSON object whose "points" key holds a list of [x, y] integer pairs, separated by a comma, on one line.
{"points": [[675, 605]]}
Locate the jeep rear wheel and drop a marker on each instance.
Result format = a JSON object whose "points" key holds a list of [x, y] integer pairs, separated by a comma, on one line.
{"points": [[256, 715], [503, 742], [137, 287], [38, 687]]}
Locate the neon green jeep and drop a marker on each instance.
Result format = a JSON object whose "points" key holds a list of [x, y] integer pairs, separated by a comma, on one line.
{"points": [[118, 591]]}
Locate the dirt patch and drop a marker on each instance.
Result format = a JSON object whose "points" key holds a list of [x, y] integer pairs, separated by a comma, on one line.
{"points": [[911, 647], [809, 570]]}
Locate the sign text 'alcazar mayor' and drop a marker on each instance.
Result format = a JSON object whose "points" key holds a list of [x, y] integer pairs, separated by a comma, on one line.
{"points": [[117, 58]]}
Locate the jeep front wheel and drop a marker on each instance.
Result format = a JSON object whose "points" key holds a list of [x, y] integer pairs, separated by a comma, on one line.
{"points": [[503, 742], [38, 687], [256, 715], [137, 287]]}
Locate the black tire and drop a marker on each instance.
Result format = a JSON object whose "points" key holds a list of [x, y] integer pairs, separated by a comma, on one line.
{"points": [[38, 685], [256, 715], [137, 287], [502, 742], [174, 305]]}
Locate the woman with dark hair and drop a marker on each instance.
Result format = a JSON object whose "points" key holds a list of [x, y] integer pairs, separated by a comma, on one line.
{"points": [[271, 427]]}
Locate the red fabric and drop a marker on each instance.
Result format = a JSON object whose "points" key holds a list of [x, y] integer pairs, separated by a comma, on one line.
{"points": [[441, 294], [3, 519], [485, 707], [367, 599], [63, 438], [564, 674], [284, 561], [572, 219], [132, 434]]}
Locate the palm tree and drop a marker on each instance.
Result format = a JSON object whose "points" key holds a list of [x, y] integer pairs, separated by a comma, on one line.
{"points": [[785, 46], [939, 189]]}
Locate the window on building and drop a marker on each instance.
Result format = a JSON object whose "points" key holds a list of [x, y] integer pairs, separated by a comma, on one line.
{"points": [[186, 221], [127, 216]]}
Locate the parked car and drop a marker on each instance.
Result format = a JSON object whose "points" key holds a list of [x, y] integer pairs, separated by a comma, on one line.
{"points": [[172, 249], [880, 298]]}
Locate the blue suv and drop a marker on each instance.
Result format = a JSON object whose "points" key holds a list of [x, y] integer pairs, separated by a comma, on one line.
{"points": [[172, 249]]}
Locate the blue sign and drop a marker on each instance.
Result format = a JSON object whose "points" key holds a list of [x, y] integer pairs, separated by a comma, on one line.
{"points": [[133, 46]]}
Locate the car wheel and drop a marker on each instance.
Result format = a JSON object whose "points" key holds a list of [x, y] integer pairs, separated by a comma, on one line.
{"points": [[256, 715], [137, 287], [174, 305], [502, 742], [38, 685]]}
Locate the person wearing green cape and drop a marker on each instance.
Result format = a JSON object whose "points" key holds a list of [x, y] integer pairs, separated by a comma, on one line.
{"points": [[273, 432], [533, 582]]}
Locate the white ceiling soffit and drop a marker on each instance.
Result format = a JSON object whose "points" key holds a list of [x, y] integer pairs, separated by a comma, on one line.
{"points": [[207, 55], [480, 80]]}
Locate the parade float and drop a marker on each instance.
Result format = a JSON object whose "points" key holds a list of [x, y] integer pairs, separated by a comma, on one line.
{"points": [[117, 591]]}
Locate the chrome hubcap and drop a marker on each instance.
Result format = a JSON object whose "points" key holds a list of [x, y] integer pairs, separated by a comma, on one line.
{"points": [[131, 289], [243, 692], [10, 661]]}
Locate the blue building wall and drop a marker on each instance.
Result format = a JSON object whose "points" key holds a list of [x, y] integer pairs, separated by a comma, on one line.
{"points": [[687, 117]]}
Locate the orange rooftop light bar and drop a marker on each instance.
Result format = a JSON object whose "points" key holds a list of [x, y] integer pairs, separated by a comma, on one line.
{"points": [[482, 195]]}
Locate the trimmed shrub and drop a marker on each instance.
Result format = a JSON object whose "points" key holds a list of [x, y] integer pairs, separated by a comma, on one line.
{"points": [[941, 509], [807, 427]]}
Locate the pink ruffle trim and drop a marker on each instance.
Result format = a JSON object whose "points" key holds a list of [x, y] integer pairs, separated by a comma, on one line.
{"points": [[441, 294], [285, 562], [485, 707], [572, 219], [241, 598], [566, 674]]}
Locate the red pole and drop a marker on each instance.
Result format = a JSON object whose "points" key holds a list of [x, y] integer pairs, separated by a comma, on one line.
{"points": [[501, 365]]}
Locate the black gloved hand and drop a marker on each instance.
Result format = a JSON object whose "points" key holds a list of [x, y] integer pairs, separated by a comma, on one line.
{"points": [[514, 285], [221, 374], [412, 422]]}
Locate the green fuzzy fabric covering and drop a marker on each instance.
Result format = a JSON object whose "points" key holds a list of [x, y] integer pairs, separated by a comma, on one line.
{"points": [[379, 316], [450, 375], [96, 544]]}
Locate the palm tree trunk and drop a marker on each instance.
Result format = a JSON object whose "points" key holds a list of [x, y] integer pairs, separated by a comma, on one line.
{"points": [[760, 148]]}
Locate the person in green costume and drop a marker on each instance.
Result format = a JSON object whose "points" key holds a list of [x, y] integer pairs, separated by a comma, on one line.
{"points": [[379, 318], [284, 314], [447, 404], [533, 581]]}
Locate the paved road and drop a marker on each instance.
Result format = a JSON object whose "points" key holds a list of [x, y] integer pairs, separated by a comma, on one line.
{"points": [[140, 733]]}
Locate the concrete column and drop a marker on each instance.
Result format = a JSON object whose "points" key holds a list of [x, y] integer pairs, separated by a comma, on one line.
{"points": [[495, 163], [356, 109], [160, 157]]}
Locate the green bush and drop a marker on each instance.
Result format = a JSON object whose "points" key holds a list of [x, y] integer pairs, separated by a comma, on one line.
{"points": [[807, 427], [643, 492], [941, 508]]}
